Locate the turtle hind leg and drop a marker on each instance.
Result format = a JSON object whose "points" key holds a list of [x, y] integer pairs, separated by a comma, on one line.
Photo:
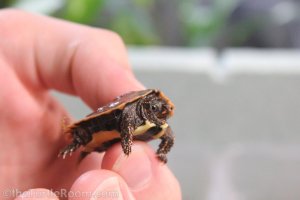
{"points": [[167, 141], [69, 149], [80, 137]]}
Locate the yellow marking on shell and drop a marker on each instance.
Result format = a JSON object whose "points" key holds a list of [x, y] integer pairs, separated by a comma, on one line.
{"points": [[99, 138], [142, 129], [162, 132]]}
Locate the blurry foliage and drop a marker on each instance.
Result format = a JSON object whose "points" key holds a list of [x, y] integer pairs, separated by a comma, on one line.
{"points": [[80, 11], [135, 22], [132, 21], [204, 23], [5, 3], [129, 19], [159, 22]]}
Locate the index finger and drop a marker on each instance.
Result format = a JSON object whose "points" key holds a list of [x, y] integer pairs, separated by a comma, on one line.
{"points": [[47, 53]]}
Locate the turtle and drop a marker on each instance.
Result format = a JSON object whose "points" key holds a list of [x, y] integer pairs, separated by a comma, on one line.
{"points": [[138, 115]]}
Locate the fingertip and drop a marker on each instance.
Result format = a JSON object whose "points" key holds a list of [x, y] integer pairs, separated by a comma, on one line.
{"points": [[99, 184], [145, 175]]}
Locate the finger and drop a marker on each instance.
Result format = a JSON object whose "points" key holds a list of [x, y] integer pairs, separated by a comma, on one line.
{"points": [[37, 194], [146, 177], [54, 54], [99, 184]]}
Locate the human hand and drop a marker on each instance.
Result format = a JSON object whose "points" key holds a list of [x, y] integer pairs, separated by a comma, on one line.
{"points": [[38, 54]]}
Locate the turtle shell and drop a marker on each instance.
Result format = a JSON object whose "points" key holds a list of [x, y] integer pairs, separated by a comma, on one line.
{"points": [[118, 103]]}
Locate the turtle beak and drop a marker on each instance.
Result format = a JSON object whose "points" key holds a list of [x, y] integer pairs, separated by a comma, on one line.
{"points": [[169, 105], [170, 108]]}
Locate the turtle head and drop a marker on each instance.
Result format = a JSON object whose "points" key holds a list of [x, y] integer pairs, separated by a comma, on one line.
{"points": [[161, 109], [158, 108]]}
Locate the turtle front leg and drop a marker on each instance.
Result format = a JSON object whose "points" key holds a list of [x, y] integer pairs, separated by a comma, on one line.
{"points": [[127, 127], [126, 140], [167, 141]]}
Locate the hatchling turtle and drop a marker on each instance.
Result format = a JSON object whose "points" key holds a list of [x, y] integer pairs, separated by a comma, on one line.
{"points": [[139, 115]]}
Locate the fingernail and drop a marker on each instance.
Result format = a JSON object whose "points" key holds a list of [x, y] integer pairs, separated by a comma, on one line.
{"points": [[135, 168], [108, 189]]}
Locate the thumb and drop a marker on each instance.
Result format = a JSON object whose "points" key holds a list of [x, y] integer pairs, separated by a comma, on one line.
{"points": [[99, 184], [146, 177]]}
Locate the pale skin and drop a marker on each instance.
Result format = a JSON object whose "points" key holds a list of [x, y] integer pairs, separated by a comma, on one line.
{"points": [[38, 54]]}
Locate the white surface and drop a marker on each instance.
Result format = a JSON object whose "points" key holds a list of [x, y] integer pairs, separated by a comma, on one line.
{"points": [[208, 61], [269, 61], [174, 59]]}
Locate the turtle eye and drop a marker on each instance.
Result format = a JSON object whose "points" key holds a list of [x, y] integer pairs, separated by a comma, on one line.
{"points": [[154, 108]]}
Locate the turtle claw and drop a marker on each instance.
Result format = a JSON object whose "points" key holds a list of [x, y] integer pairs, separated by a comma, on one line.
{"points": [[126, 149], [68, 150], [64, 155], [162, 157]]}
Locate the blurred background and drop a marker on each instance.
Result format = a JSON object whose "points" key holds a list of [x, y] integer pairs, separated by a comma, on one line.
{"points": [[232, 68], [255, 23]]}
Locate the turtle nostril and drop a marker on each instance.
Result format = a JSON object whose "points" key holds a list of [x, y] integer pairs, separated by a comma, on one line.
{"points": [[170, 108]]}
